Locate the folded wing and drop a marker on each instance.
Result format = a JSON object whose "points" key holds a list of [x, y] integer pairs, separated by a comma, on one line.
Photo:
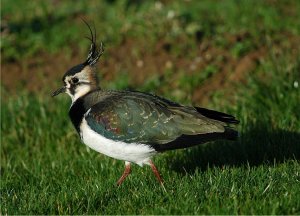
{"points": [[148, 119]]}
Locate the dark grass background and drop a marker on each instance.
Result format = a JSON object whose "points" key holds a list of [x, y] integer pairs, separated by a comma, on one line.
{"points": [[240, 57]]}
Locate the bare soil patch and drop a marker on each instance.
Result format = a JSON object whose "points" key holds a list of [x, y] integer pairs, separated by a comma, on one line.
{"points": [[45, 71]]}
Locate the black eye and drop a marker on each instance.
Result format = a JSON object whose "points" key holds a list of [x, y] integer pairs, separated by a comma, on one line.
{"points": [[75, 80]]}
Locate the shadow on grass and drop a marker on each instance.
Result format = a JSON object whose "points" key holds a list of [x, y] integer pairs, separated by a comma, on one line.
{"points": [[254, 147]]}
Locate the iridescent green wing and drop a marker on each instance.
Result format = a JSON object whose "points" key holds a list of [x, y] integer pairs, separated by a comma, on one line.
{"points": [[143, 118]]}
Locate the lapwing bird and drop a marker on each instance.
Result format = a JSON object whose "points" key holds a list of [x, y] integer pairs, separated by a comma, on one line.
{"points": [[133, 126]]}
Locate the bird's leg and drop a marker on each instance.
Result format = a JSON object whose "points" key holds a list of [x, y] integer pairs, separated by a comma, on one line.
{"points": [[126, 172], [155, 171]]}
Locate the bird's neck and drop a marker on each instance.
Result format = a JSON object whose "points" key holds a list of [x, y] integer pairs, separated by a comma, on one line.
{"points": [[80, 106], [84, 90], [76, 113]]}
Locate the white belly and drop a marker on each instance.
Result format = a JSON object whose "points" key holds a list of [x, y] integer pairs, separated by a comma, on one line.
{"points": [[133, 152]]}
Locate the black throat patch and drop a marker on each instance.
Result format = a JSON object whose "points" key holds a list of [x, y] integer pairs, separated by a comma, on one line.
{"points": [[76, 113]]}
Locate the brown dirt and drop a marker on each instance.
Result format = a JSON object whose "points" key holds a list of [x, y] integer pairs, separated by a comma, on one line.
{"points": [[232, 71], [45, 71]]}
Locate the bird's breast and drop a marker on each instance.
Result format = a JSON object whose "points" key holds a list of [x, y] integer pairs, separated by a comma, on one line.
{"points": [[133, 152]]}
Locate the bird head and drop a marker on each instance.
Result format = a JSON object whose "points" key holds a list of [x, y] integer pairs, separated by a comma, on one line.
{"points": [[82, 78]]}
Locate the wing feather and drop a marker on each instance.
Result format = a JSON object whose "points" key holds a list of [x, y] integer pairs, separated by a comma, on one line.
{"points": [[145, 118]]}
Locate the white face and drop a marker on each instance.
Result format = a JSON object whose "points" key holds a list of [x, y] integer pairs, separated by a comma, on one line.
{"points": [[78, 84]]}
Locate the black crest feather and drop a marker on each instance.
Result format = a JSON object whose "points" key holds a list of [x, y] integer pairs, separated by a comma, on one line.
{"points": [[95, 51]]}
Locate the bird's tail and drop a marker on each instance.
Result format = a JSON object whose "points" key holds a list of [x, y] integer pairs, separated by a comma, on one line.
{"points": [[185, 141], [219, 116]]}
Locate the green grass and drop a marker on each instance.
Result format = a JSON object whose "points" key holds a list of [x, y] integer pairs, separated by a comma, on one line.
{"points": [[38, 27], [45, 169]]}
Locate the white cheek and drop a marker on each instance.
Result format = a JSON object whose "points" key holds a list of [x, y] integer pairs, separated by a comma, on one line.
{"points": [[80, 91]]}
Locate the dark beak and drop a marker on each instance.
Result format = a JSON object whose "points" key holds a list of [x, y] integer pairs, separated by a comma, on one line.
{"points": [[58, 91]]}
